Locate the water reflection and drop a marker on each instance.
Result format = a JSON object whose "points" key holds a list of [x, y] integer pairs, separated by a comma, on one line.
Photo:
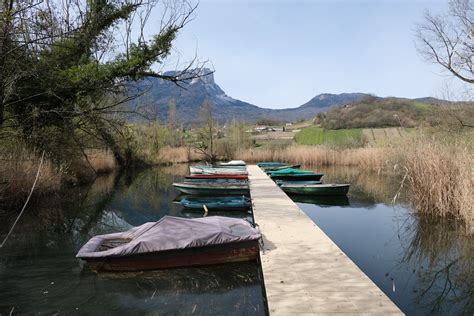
{"points": [[321, 201], [443, 256], [424, 266], [40, 274]]}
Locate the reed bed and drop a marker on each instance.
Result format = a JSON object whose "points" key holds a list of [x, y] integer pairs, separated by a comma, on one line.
{"points": [[178, 155], [370, 158], [441, 180], [101, 160], [18, 172]]}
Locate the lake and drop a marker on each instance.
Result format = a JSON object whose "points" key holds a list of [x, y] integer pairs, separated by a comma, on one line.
{"points": [[423, 266]]}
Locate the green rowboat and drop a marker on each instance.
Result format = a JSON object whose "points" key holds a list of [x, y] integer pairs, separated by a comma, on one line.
{"points": [[237, 203], [212, 188], [316, 189], [280, 182]]}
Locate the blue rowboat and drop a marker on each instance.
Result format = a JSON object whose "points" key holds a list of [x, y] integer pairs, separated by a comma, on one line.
{"points": [[237, 203]]}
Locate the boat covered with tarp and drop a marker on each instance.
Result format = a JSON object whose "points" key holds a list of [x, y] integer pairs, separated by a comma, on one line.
{"points": [[173, 242]]}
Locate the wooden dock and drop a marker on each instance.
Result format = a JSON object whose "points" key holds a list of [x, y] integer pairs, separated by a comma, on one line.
{"points": [[304, 272]]}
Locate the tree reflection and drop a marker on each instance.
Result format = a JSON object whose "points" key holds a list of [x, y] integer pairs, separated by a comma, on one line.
{"points": [[443, 255]]}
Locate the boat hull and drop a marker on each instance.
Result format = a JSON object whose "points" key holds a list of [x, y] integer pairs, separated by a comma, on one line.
{"points": [[317, 190], [272, 169], [217, 176], [218, 203], [298, 177], [202, 189], [210, 181], [207, 170], [192, 257]]}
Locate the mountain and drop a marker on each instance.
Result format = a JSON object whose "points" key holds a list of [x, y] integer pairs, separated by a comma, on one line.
{"points": [[189, 98], [191, 94]]}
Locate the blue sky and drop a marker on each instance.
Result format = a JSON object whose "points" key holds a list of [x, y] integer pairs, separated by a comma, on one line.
{"points": [[280, 54]]}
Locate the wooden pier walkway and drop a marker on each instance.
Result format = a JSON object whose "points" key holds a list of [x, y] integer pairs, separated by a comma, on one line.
{"points": [[304, 272]]}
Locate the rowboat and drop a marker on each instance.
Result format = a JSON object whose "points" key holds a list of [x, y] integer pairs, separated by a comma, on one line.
{"points": [[232, 163], [291, 174], [272, 169], [224, 181], [217, 176], [211, 170], [212, 188], [217, 203], [290, 171], [168, 243], [218, 166], [316, 189], [280, 182]]}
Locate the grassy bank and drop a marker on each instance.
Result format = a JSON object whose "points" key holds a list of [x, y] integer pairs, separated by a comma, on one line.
{"points": [[318, 136]]}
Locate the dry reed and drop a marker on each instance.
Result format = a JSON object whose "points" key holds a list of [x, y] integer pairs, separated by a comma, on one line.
{"points": [[178, 155], [18, 170], [371, 158], [441, 180], [100, 160]]}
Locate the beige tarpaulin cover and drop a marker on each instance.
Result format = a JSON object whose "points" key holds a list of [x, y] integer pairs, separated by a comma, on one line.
{"points": [[171, 233]]}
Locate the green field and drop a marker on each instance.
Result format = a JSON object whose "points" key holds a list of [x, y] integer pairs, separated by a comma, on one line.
{"points": [[318, 136]]}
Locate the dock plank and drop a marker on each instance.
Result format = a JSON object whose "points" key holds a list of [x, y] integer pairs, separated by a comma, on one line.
{"points": [[305, 272]]}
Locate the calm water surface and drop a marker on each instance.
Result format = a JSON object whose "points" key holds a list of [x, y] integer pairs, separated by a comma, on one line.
{"points": [[39, 273], [424, 267]]}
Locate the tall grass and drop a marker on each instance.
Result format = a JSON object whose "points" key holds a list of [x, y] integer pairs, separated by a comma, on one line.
{"points": [[441, 180], [18, 171], [100, 160], [19, 165], [372, 158], [177, 155]]}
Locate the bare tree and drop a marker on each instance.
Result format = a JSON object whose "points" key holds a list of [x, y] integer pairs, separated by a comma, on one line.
{"points": [[205, 143], [448, 40], [172, 123]]}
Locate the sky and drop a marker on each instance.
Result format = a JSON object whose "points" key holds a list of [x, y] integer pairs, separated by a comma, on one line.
{"points": [[279, 54]]}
